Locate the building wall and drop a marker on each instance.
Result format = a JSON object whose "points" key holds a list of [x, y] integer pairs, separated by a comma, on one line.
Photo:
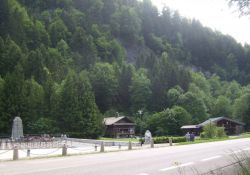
{"points": [[231, 128], [120, 131]]}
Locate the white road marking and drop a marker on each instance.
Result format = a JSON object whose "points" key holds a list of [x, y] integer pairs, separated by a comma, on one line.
{"points": [[169, 168], [143, 174], [211, 158], [246, 149], [177, 166]]}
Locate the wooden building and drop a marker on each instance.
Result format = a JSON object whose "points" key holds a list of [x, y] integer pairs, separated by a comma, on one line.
{"points": [[119, 127], [196, 129], [231, 126]]}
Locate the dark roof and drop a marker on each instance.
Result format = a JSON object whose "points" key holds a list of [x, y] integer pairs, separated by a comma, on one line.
{"points": [[114, 120], [215, 120]]}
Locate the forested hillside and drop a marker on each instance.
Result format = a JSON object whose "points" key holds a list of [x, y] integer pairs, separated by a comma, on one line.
{"points": [[65, 64]]}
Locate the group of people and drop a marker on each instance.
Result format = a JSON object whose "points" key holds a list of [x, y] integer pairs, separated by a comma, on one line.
{"points": [[190, 137]]}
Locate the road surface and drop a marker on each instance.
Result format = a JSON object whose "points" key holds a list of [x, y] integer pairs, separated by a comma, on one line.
{"points": [[185, 159]]}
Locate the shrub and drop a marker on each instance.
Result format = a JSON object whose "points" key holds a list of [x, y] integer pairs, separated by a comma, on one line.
{"points": [[209, 130], [220, 132], [202, 135], [212, 131]]}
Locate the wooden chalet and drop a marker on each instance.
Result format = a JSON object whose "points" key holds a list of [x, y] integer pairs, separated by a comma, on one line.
{"points": [[231, 126], [119, 127]]}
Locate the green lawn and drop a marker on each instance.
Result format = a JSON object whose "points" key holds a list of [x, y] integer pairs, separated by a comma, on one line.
{"points": [[198, 140], [120, 139]]}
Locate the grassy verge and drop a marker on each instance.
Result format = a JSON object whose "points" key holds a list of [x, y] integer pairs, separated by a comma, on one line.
{"points": [[201, 140], [204, 141], [244, 135]]}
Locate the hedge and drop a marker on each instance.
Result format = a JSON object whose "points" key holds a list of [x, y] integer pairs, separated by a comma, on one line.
{"points": [[165, 139]]}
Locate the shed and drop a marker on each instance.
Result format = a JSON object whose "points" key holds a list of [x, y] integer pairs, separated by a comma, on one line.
{"points": [[196, 129]]}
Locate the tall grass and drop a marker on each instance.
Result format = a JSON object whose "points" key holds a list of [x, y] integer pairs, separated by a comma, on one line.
{"points": [[238, 165], [243, 163]]}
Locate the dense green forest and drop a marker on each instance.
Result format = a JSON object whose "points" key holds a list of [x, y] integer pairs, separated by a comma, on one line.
{"points": [[66, 64]]}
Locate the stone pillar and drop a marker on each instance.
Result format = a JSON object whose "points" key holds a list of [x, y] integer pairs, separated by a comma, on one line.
{"points": [[17, 129], [129, 145], [15, 153], [102, 147], [152, 143], [170, 141], [64, 150]]}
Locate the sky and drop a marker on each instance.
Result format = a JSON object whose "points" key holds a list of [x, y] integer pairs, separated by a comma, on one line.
{"points": [[215, 14]]}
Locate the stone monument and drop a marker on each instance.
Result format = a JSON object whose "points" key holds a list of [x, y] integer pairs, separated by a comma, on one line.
{"points": [[148, 137], [17, 128]]}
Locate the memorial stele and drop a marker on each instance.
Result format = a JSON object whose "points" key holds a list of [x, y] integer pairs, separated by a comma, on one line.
{"points": [[17, 128], [148, 137]]}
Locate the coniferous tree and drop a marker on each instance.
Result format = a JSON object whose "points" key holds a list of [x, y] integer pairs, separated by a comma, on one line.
{"points": [[105, 84], [78, 113], [14, 96]]}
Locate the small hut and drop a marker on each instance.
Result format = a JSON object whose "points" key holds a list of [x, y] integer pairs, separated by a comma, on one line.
{"points": [[118, 127]]}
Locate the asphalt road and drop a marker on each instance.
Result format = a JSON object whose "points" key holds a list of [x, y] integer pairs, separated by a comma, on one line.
{"points": [[186, 159]]}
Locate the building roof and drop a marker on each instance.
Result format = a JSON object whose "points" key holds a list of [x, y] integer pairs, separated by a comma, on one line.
{"points": [[215, 120], [114, 120], [190, 127]]}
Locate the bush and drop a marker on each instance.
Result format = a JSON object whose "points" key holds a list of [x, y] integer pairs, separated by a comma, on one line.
{"points": [[209, 131], [202, 135], [212, 131], [220, 132]]}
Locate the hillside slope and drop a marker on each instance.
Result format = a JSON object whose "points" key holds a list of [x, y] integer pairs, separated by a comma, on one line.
{"points": [[64, 63]]}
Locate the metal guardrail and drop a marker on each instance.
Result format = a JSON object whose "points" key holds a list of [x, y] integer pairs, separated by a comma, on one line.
{"points": [[7, 144]]}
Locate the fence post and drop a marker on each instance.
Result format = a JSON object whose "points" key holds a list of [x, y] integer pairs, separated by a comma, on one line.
{"points": [[129, 145], [152, 143], [170, 141], [95, 147], [64, 150], [102, 147], [28, 152], [15, 153], [120, 145]]}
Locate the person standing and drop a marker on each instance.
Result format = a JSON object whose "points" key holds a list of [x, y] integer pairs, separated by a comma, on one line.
{"points": [[187, 137], [192, 137]]}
